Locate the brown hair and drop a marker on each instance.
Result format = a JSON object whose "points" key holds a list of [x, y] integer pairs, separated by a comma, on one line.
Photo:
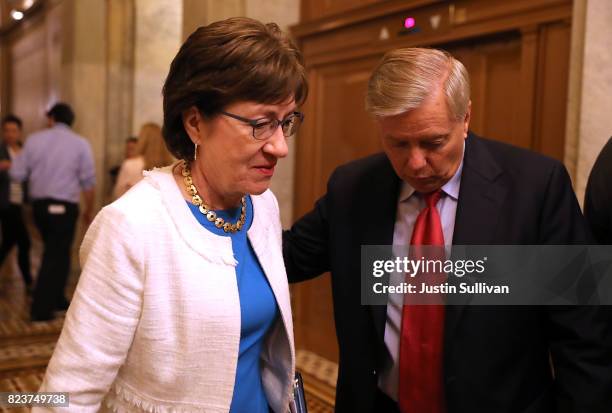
{"points": [[406, 77], [238, 59], [152, 148]]}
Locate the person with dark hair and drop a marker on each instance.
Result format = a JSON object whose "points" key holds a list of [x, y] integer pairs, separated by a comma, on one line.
{"points": [[183, 302], [14, 231], [60, 113], [598, 196], [59, 167]]}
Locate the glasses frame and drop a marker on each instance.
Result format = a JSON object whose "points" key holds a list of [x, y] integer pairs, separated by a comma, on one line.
{"points": [[253, 123]]}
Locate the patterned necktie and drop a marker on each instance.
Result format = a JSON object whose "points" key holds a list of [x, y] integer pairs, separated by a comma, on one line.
{"points": [[421, 341]]}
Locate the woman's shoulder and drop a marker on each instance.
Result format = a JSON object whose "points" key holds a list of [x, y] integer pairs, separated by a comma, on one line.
{"points": [[266, 200], [142, 201]]}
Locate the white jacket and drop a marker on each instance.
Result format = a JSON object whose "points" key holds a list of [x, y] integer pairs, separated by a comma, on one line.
{"points": [[154, 324]]}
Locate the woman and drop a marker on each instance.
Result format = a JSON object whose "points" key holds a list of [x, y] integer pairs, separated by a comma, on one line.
{"points": [[152, 153], [177, 309]]}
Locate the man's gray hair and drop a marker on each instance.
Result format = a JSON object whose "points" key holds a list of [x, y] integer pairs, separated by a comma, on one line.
{"points": [[406, 77]]}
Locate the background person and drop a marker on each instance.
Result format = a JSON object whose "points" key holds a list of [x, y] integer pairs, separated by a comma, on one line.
{"points": [[130, 151], [14, 231], [151, 153], [183, 302], [58, 165]]}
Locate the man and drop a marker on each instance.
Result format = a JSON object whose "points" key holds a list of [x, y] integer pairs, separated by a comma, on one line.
{"points": [[438, 184], [14, 231], [59, 165], [598, 196]]}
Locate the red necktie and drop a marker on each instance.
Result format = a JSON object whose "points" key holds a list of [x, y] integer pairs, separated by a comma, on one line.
{"points": [[421, 343]]}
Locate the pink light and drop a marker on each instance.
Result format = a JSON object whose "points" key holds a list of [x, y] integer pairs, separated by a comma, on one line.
{"points": [[409, 23]]}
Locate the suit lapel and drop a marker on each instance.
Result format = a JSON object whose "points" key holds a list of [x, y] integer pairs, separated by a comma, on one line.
{"points": [[478, 211]]}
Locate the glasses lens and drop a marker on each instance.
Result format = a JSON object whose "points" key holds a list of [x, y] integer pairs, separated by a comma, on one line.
{"points": [[291, 125], [264, 130]]}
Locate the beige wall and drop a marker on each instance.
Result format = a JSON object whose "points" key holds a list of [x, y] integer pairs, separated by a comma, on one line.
{"points": [[119, 82], [87, 79]]}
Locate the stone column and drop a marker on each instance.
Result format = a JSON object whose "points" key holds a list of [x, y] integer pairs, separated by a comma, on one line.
{"points": [[157, 39], [120, 82], [84, 73]]}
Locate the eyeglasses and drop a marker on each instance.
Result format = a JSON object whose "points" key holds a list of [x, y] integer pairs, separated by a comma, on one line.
{"points": [[263, 128]]}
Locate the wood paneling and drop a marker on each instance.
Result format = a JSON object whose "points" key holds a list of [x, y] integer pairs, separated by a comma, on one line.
{"points": [[494, 66], [352, 11], [517, 54], [551, 88]]}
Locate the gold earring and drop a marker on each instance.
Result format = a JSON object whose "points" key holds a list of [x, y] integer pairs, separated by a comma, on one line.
{"points": [[195, 152]]}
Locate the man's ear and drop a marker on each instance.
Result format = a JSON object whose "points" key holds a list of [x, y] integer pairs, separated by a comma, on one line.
{"points": [[466, 119], [192, 122]]}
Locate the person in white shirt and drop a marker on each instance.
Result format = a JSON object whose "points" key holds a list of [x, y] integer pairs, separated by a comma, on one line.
{"points": [[151, 153]]}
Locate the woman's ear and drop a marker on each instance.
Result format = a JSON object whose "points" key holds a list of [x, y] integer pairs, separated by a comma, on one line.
{"points": [[193, 124]]}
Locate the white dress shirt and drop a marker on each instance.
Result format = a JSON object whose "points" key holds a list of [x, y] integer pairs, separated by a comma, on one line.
{"points": [[409, 206]]}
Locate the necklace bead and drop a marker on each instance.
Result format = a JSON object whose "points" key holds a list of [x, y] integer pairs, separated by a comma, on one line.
{"points": [[206, 210]]}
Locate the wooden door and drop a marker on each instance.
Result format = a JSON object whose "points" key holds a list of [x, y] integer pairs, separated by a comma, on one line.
{"points": [[337, 130]]}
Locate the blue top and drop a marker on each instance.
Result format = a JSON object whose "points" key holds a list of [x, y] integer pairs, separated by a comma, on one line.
{"points": [[258, 311], [58, 162]]}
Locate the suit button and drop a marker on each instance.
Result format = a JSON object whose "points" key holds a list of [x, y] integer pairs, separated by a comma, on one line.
{"points": [[374, 372]]}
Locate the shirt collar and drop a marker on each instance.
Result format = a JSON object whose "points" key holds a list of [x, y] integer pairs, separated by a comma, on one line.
{"points": [[451, 188]]}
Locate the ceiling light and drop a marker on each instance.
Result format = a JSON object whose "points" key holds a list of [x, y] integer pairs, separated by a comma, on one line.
{"points": [[16, 15]]}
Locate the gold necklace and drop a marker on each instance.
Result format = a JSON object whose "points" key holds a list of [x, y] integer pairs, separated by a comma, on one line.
{"points": [[206, 210]]}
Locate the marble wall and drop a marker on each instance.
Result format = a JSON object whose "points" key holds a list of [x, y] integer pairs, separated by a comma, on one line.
{"points": [[119, 82], [590, 98]]}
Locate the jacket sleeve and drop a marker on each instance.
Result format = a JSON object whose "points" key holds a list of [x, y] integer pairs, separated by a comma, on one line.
{"points": [[306, 244], [100, 324]]}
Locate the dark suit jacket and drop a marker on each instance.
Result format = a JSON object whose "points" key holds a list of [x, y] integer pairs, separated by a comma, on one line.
{"points": [[496, 359], [598, 196], [5, 180]]}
